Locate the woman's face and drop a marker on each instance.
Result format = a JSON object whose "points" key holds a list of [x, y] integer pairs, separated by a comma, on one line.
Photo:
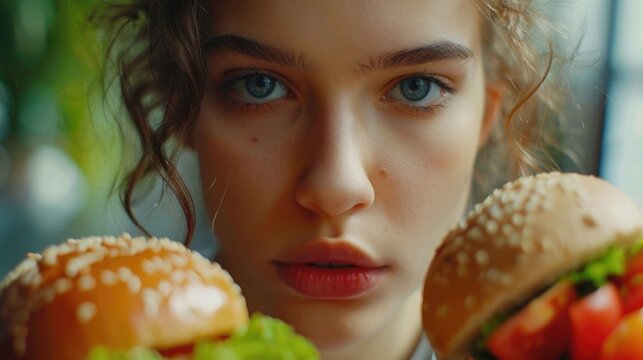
{"points": [[336, 142]]}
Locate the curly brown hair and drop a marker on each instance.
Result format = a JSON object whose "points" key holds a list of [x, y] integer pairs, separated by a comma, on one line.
{"points": [[156, 56]]}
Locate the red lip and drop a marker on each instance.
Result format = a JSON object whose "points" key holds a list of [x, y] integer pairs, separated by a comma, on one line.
{"points": [[303, 270]]}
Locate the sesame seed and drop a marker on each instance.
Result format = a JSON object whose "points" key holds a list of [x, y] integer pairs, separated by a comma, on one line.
{"points": [[62, 285], [85, 312], [513, 239], [475, 233], [71, 270], [151, 301], [470, 302], [507, 229], [462, 270], [50, 256], [193, 277], [86, 282], [49, 295], [462, 224], [506, 279], [148, 266], [482, 257], [458, 241], [164, 287], [124, 273], [179, 261], [496, 212], [482, 219], [108, 277], [442, 311], [531, 205], [517, 219], [462, 257], [493, 275], [491, 226], [178, 277], [527, 246], [134, 284]]}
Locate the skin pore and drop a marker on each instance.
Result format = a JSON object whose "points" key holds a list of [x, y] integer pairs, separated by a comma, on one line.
{"points": [[336, 152]]}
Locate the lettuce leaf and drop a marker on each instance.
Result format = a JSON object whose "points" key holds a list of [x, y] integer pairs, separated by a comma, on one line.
{"points": [[262, 338], [138, 353], [597, 272]]}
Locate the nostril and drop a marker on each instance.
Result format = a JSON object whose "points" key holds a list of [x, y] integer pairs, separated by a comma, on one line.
{"points": [[312, 207]]}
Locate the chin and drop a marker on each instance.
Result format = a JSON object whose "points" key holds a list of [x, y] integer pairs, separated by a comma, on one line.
{"points": [[332, 325]]}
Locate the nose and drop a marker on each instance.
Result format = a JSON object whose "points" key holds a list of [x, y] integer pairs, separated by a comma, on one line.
{"points": [[335, 179]]}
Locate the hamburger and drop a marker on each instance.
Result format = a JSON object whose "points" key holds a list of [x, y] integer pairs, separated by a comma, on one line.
{"points": [[103, 298], [547, 267]]}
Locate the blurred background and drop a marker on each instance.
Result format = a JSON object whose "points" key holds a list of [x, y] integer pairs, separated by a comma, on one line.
{"points": [[59, 149]]}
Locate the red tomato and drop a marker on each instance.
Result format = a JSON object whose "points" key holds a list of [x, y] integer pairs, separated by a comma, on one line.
{"points": [[626, 341], [593, 318], [633, 284], [539, 331]]}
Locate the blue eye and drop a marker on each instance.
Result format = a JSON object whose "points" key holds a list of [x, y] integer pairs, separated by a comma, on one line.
{"points": [[259, 88], [417, 90]]}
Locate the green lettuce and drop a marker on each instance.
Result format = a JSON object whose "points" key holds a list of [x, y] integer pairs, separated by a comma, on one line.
{"points": [[262, 338], [103, 353], [598, 271]]}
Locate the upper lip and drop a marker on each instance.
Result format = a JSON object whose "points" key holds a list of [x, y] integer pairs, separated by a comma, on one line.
{"points": [[324, 251]]}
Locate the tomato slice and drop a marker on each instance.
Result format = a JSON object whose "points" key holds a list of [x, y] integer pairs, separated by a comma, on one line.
{"points": [[632, 282], [626, 341], [593, 318], [540, 331]]}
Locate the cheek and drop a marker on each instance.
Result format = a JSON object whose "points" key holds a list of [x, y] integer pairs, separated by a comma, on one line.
{"points": [[428, 182], [241, 177]]}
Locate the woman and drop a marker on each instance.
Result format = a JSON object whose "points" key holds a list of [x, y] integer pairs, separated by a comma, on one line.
{"points": [[338, 141]]}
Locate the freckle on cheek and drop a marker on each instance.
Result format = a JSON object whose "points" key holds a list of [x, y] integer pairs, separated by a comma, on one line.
{"points": [[254, 139], [383, 173]]}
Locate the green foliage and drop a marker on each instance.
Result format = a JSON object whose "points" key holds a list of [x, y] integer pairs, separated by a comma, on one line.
{"points": [[50, 70]]}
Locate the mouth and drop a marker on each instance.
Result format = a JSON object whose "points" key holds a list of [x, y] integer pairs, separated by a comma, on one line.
{"points": [[323, 270], [330, 265]]}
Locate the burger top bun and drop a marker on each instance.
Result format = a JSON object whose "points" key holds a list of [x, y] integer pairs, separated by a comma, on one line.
{"points": [[518, 240], [114, 291]]}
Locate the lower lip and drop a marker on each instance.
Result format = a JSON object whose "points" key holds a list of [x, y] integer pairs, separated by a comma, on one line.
{"points": [[328, 283]]}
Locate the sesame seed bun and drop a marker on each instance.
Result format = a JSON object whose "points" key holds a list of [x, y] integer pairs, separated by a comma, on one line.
{"points": [[518, 240], [117, 292]]}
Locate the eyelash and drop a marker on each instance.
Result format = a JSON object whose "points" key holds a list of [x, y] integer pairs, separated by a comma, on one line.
{"points": [[430, 109], [242, 74]]}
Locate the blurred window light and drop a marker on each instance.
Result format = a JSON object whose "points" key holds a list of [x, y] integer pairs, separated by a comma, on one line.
{"points": [[628, 39], [622, 151], [56, 188]]}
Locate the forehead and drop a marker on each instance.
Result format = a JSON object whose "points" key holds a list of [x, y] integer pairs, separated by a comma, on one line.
{"points": [[346, 28]]}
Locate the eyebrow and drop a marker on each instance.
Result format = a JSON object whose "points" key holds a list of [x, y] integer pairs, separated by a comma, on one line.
{"points": [[438, 51], [253, 48]]}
